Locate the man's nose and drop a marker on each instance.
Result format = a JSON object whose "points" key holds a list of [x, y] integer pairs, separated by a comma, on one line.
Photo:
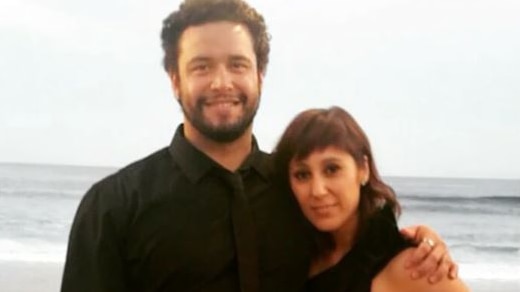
{"points": [[222, 79]]}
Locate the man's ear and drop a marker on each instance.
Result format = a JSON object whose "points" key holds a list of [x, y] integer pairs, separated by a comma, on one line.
{"points": [[175, 83], [260, 81]]}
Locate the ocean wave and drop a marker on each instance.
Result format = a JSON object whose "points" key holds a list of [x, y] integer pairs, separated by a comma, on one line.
{"points": [[475, 205], [456, 208], [461, 199], [32, 251], [495, 249], [489, 271], [41, 193]]}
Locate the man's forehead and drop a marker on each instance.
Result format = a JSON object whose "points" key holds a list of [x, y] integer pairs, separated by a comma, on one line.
{"points": [[209, 37]]}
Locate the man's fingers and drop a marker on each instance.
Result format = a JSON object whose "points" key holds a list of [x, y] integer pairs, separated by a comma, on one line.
{"points": [[430, 258], [441, 271], [409, 232], [431, 263], [425, 260], [418, 255], [454, 271]]}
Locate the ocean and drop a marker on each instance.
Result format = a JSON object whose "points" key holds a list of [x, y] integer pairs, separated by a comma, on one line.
{"points": [[478, 218]]}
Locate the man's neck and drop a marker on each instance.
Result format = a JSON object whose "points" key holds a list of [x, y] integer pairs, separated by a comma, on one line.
{"points": [[229, 155]]}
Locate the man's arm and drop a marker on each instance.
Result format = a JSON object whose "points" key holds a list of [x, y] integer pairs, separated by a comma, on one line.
{"points": [[431, 256], [94, 261]]}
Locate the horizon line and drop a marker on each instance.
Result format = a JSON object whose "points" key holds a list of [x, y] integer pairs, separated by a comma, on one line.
{"points": [[52, 164]]}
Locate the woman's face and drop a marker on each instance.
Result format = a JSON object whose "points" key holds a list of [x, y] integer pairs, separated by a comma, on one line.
{"points": [[327, 186]]}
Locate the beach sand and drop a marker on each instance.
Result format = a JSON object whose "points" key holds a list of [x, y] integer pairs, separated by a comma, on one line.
{"points": [[46, 277], [493, 286], [30, 276]]}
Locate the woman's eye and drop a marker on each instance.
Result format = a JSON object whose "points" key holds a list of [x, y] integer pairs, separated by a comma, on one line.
{"points": [[332, 169], [301, 175]]}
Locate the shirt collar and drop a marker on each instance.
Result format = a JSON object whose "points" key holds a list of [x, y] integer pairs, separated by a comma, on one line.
{"points": [[195, 163]]}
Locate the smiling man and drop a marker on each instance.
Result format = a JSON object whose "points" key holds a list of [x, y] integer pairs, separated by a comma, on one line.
{"points": [[201, 214], [217, 82]]}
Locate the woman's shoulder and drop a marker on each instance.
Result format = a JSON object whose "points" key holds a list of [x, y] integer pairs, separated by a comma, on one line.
{"points": [[394, 277]]}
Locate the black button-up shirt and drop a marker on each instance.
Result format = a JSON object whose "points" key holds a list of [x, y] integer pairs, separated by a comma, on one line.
{"points": [[164, 224]]}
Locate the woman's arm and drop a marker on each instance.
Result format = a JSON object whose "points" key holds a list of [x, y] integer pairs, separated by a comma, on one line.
{"points": [[395, 278]]}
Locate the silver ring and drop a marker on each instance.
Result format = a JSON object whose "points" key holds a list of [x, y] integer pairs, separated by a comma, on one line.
{"points": [[429, 242]]}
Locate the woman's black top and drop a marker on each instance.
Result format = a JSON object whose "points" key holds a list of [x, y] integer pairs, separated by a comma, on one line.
{"points": [[377, 245]]}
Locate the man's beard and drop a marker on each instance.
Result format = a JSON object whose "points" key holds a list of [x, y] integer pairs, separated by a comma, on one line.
{"points": [[224, 133]]}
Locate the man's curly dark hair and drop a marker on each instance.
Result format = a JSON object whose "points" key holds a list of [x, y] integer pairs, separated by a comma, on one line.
{"points": [[197, 12]]}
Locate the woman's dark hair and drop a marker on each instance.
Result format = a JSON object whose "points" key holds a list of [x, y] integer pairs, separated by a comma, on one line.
{"points": [[317, 129], [197, 12]]}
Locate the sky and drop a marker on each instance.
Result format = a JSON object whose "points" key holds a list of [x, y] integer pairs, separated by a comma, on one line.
{"points": [[435, 84]]}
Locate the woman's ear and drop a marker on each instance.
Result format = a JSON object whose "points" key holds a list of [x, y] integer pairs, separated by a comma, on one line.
{"points": [[365, 171]]}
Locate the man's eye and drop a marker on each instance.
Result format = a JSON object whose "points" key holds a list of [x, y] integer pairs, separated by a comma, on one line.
{"points": [[201, 67], [239, 65]]}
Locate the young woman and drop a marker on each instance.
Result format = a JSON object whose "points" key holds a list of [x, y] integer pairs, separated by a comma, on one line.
{"points": [[324, 157]]}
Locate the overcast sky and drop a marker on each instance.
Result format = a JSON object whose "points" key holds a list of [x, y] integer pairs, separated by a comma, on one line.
{"points": [[435, 84]]}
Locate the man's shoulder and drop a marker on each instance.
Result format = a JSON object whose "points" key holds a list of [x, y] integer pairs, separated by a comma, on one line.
{"points": [[153, 162], [132, 174], [264, 161], [121, 190]]}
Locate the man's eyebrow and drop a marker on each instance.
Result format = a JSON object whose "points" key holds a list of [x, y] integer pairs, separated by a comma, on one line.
{"points": [[198, 59], [240, 58]]}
